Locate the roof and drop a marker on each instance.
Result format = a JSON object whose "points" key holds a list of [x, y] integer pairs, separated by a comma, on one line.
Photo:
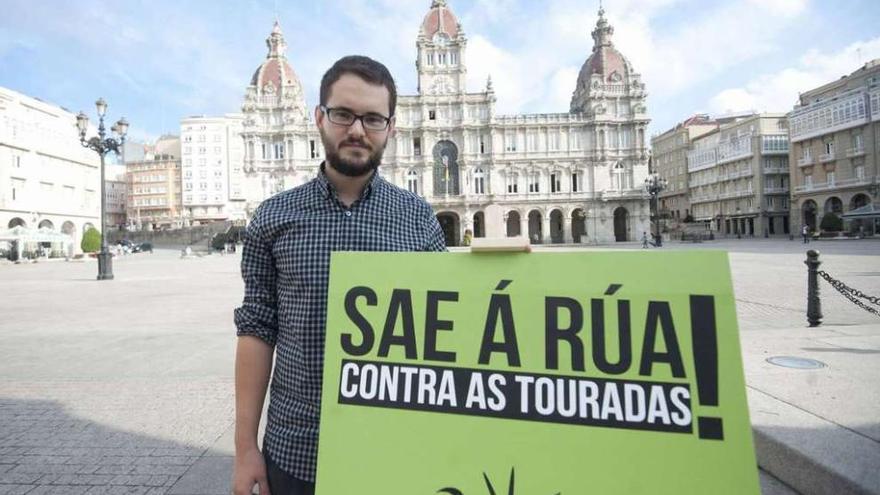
{"points": [[440, 19], [867, 211]]}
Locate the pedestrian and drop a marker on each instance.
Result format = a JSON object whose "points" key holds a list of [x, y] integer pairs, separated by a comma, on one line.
{"points": [[285, 266], [644, 240], [805, 231]]}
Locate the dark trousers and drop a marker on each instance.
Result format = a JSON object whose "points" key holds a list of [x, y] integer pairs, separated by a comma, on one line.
{"points": [[283, 483]]}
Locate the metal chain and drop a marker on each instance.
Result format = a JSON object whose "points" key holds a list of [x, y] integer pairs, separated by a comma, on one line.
{"points": [[852, 294]]}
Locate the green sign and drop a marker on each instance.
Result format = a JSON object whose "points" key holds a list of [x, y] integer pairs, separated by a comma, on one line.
{"points": [[533, 374]]}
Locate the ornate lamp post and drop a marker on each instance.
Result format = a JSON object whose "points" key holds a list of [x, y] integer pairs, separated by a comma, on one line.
{"points": [[102, 144], [653, 185]]}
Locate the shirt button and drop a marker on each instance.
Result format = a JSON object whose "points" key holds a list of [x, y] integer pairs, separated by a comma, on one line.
{"points": [[348, 213]]}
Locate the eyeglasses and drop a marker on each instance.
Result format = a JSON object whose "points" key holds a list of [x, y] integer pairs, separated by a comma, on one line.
{"points": [[344, 116]]}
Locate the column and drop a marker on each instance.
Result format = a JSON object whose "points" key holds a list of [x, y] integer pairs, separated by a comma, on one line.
{"points": [[524, 226], [567, 236], [545, 229]]}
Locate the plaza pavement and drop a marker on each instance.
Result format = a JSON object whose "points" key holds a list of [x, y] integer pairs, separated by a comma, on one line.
{"points": [[125, 386]]}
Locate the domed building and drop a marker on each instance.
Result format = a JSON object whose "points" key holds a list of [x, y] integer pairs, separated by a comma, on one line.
{"points": [[555, 178]]}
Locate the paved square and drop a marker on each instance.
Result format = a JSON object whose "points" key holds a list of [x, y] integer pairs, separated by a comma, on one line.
{"points": [[126, 386]]}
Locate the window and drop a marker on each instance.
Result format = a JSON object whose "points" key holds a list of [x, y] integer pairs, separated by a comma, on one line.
{"points": [[512, 184], [202, 150], [510, 142], [857, 142], [829, 148], [412, 181], [479, 181], [432, 115], [203, 174], [808, 181], [482, 145], [417, 146], [830, 177], [218, 173], [218, 186], [188, 174], [555, 183], [217, 138], [441, 58], [860, 172], [531, 142], [313, 149], [265, 149], [218, 150], [279, 151], [16, 161], [553, 140], [575, 182], [534, 182], [203, 186], [430, 58], [453, 58]]}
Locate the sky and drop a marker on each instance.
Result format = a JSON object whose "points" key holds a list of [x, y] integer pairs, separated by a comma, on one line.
{"points": [[158, 61]]}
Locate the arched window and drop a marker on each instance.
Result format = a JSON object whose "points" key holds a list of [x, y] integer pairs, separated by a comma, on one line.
{"points": [[618, 177], [412, 181], [479, 181]]}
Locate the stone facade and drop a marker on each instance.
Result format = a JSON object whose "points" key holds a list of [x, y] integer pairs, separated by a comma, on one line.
{"points": [[738, 177], [154, 188], [47, 179], [212, 175], [669, 152], [835, 131], [562, 177]]}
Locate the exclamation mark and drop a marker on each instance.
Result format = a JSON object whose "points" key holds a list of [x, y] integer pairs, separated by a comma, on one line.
{"points": [[705, 346]]}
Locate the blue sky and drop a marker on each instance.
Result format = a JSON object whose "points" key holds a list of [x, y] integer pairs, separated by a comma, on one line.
{"points": [[158, 61]]}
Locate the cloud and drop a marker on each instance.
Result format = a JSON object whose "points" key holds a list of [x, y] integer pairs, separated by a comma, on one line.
{"points": [[778, 91]]}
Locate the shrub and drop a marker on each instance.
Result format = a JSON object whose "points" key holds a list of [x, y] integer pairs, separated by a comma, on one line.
{"points": [[831, 223], [91, 241], [218, 242]]}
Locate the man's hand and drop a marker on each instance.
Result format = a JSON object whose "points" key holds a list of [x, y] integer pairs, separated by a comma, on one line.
{"points": [[250, 470]]}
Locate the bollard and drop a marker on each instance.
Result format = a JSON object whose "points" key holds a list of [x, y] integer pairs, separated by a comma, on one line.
{"points": [[814, 306]]}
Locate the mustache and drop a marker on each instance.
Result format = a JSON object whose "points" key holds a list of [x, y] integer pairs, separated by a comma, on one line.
{"points": [[355, 142]]}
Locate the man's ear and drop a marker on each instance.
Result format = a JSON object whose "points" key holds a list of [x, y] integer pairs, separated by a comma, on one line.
{"points": [[392, 126], [319, 115]]}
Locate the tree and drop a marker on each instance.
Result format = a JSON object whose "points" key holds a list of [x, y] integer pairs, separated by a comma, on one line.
{"points": [[91, 241], [831, 223]]}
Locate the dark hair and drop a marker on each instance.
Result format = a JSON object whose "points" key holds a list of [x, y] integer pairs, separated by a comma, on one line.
{"points": [[367, 69]]}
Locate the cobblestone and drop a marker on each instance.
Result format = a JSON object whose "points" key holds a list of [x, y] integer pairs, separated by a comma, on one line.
{"points": [[123, 386]]}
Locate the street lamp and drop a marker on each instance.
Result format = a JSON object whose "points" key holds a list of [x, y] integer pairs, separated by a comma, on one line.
{"points": [[102, 144], [653, 185]]}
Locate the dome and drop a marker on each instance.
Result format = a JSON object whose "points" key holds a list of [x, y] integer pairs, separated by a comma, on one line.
{"points": [[275, 72], [605, 60], [440, 20]]}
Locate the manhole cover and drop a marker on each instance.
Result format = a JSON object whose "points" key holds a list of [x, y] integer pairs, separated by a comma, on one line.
{"points": [[796, 362]]}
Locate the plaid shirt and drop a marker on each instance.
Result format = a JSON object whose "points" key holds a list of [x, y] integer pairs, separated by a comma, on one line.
{"points": [[285, 265]]}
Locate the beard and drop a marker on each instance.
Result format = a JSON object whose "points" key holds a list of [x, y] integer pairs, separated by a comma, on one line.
{"points": [[350, 168]]}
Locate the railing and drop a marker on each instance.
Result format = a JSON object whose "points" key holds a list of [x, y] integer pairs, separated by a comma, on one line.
{"points": [[807, 160], [775, 170], [858, 150], [826, 157], [775, 190], [821, 186]]}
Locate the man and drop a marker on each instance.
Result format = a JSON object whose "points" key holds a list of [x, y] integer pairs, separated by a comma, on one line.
{"points": [[805, 232], [285, 266]]}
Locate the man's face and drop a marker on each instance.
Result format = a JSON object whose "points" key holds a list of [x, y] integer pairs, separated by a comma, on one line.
{"points": [[353, 150]]}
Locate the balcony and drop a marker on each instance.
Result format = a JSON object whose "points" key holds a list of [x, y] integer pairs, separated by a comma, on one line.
{"points": [[857, 151], [806, 161], [775, 170], [826, 157], [775, 190], [824, 186]]}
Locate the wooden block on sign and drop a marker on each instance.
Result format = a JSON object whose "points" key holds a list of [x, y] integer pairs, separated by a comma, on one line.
{"points": [[500, 244]]}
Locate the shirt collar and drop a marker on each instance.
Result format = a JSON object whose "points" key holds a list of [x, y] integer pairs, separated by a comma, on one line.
{"points": [[329, 191]]}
